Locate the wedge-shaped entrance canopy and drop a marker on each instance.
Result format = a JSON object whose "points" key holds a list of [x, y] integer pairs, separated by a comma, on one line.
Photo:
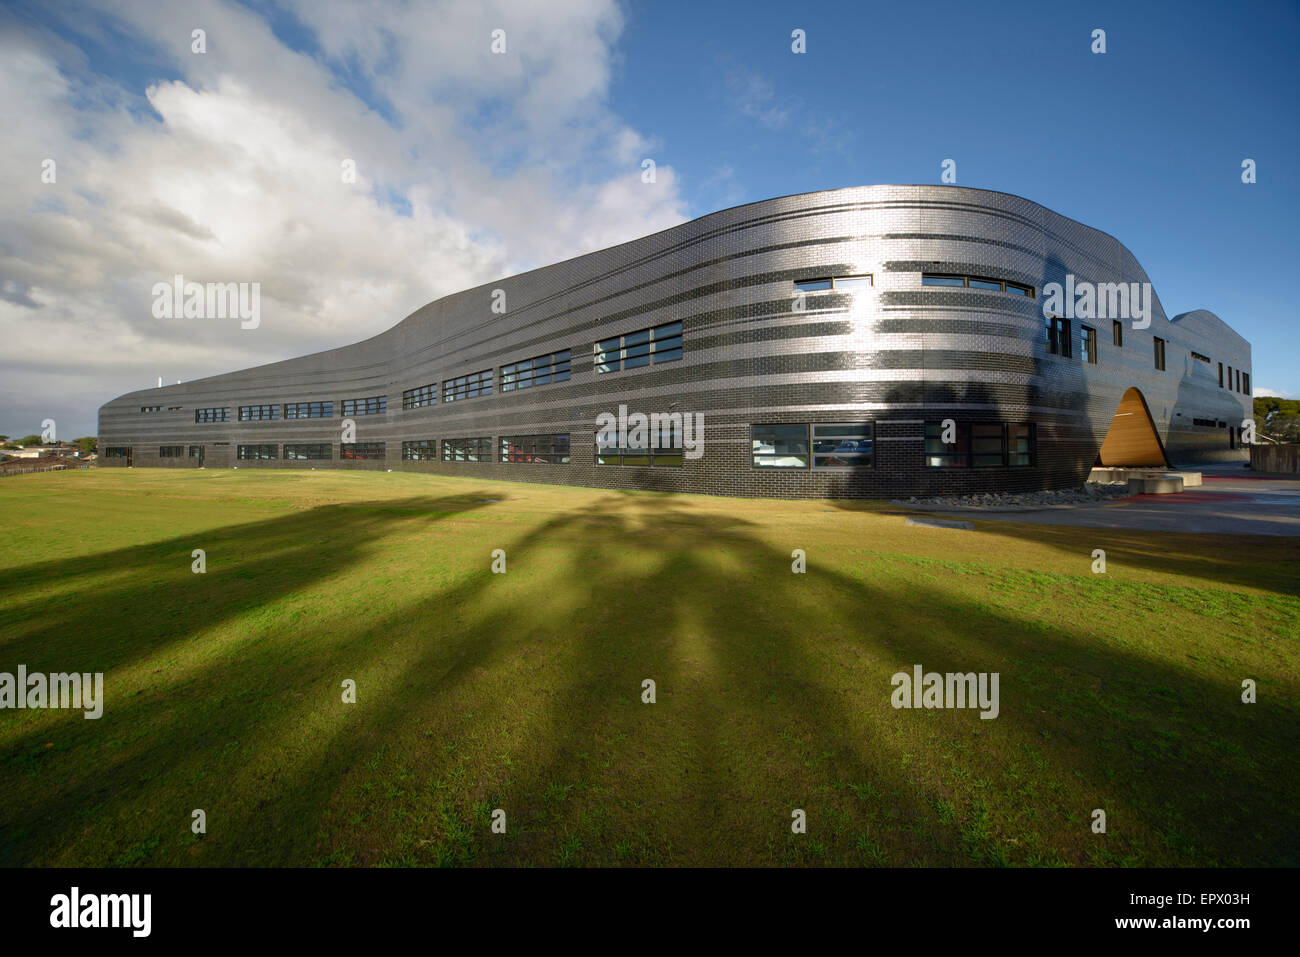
{"points": [[1132, 438]]}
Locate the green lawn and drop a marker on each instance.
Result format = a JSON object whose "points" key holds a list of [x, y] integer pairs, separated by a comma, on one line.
{"points": [[522, 691]]}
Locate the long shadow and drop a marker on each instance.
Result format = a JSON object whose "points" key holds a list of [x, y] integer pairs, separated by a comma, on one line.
{"points": [[598, 598]]}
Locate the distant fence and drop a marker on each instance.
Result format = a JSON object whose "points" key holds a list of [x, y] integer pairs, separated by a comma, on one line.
{"points": [[32, 469], [1275, 459]]}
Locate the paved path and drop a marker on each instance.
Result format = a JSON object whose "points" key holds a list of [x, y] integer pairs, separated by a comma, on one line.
{"points": [[1230, 503]]}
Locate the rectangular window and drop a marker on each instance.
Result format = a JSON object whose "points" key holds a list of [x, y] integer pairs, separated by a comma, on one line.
{"points": [[255, 452], [1238, 380], [477, 449], [1016, 290], [779, 446], [117, 452], [314, 452], [842, 445], [309, 410], [1220, 375], [538, 449], [212, 415], [1159, 351], [1117, 333], [420, 397], [851, 283], [644, 455], [976, 282], [947, 455], [984, 284], [375, 405], [258, 413], [659, 344], [1020, 444], [812, 285], [174, 408], [171, 451], [932, 280], [988, 445], [980, 445], [539, 370], [151, 408], [467, 386], [196, 451], [1245, 383], [361, 450], [420, 450], [1058, 336], [1088, 344], [1200, 358]]}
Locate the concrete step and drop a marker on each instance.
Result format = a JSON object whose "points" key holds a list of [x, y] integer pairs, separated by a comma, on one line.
{"points": [[1120, 476], [1165, 484]]}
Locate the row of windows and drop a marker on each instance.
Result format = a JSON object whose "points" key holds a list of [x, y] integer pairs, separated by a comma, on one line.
{"points": [[832, 445], [539, 449], [538, 370], [1238, 381], [976, 282], [309, 410], [212, 415], [374, 405], [258, 413], [641, 348], [848, 283], [467, 386]]}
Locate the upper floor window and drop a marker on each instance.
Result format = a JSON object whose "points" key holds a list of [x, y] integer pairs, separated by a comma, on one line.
{"points": [[375, 405], [258, 413], [467, 386], [420, 450], [1220, 375], [1117, 333], [1245, 383], [847, 283], [212, 415], [309, 410], [421, 396], [1058, 336], [640, 348], [1159, 345], [1088, 344], [151, 408], [538, 370], [1200, 358], [976, 282]]}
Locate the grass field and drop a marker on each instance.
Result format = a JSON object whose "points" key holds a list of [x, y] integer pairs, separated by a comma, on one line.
{"points": [[522, 691]]}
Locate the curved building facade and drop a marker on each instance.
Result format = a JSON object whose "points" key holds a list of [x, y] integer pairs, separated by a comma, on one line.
{"points": [[873, 341]]}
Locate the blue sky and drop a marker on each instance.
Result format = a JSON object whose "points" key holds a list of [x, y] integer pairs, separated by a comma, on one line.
{"points": [[225, 166]]}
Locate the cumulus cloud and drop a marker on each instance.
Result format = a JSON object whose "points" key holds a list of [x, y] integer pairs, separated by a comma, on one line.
{"points": [[227, 166], [1265, 393]]}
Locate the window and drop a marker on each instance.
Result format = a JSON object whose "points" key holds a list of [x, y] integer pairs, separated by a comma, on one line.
{"points": [[1159, 351], [467, 386], [842, 445], [171, 451], [419, 397], [467, 450], [117, 452], [255, 452], [538, 370], [976, 282], [1238, 380], [420, 450], [812, 285], [212, 415], [361, 450], [375, 405], [980, 445], [196, 451], [852, 283], [1058, 336], [660, 344], [309, 452], [669, 454], [1117, 333], [1200, 358], [1220, 375], [258, 413], [1088, 344], [174, 408], [848, 283], [542, 449], [1245, 383], [150, 408], [309, 410], [780, 446]]}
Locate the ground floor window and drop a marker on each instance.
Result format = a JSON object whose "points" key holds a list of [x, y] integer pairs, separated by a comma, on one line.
{"points": [[196, 451], [640, 453], [543, 449], [780, 446], [839, 445], [979, 445], [255, 452], [300, 452], [361, 450], [117, 452], [420, 450], [171, 451], [477, 449]]}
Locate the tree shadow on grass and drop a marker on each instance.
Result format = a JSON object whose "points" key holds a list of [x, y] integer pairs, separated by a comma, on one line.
{"points": [[522, 691]]}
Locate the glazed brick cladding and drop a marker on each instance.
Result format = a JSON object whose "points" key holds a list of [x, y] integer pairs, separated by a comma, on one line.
{"points": [[898, 353]]}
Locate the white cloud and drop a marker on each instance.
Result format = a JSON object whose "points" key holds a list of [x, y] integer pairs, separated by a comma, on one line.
{"points": [[225, 167], [1265, 393]]}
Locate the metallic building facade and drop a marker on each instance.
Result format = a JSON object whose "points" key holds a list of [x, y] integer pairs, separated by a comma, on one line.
{"points": [[763, 344]]}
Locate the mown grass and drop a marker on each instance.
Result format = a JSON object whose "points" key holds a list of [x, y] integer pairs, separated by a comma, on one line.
{"points": [[522, 691]]}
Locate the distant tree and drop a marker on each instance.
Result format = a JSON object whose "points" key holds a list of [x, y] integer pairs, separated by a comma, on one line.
{"points": [[86, 444], [30, 440], [1277, 418]]}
